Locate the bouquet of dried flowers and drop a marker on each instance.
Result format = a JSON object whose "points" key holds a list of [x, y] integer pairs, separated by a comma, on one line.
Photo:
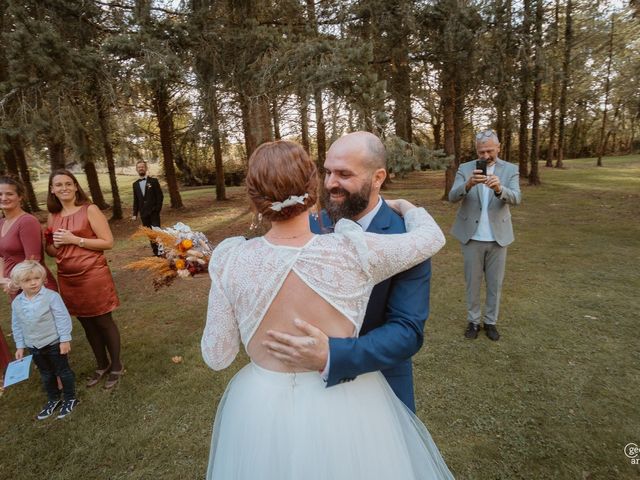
{"points": [[181, 253]]}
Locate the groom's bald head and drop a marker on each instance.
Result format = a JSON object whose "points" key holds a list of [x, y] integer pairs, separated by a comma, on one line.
{"points": [[354, 172], [363, 147]]}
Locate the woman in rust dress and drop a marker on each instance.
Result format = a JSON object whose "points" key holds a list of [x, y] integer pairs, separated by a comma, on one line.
{"points": [[81, 233], [20, 239]]}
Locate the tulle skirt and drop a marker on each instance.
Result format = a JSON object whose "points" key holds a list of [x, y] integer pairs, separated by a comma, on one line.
{"points": [[285, 426]]}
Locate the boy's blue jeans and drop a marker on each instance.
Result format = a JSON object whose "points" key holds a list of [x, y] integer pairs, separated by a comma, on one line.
{"points": [[51, 365]]}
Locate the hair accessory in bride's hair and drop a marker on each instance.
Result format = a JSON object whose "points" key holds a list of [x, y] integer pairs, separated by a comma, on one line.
{"points": [[292, 200]]}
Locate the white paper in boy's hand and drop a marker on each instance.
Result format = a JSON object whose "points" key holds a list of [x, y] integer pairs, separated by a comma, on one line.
{"points": [[17, 371]]}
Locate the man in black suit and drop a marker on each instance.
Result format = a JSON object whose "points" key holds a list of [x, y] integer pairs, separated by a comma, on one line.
{"points": [[147, 200]]}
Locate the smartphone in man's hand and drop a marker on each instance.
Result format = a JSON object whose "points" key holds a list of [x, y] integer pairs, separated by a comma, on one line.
{"points": [[482, 165]]}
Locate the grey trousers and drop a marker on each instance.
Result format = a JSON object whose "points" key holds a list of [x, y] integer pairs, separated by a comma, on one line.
{"points": [[486, 259]]}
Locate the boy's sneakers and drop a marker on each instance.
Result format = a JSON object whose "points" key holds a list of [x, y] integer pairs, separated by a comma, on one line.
{"points": [[48, 409], [67, 407]]}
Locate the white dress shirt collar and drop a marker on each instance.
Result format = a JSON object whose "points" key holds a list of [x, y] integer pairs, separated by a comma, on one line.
{"points": [[365, 221]]}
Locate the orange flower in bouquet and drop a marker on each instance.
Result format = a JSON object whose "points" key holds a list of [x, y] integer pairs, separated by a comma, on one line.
{"points": [[182, 253]]}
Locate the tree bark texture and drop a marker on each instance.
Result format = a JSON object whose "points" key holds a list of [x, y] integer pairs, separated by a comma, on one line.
{"points": [[165, 124], [56, 153], [258, 123], [221, 193], [552, 149], [602, 142], [400, 86], [448, 96], [94, 184], [85, 154], [23, 168], [566, 64], [320, 127], [525, 85], [534, 176], [304, 121], [276, 119], [103, 121], [10, 159]]}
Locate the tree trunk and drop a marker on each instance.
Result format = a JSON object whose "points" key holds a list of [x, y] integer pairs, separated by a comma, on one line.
{"points": [[458, 122], [499, 119], [551, 152], [503, 100], [276, 119], [523, 140], [601, 149], [244, 110], [304, 121], [507, 145], [448, 113], [534, 177], [15, 166], [221, 193], [401, 90], [103, 121], [632, 133], [23, 168], [259, 123], [165, 124], [320, 128], [436, 126], [85, 154], [566, 63], [525, 81], [56, 153], [94, 184], [335, 114], [10, 158]]}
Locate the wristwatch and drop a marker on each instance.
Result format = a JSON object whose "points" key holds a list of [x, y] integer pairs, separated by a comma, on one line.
{"points": [[81, 243]]}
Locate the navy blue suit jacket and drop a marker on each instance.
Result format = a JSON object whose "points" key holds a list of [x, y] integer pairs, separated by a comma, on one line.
{"points": [[393, 328]]}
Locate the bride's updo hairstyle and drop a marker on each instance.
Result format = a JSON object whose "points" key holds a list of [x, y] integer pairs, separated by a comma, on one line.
{"points": [[278, 171]]}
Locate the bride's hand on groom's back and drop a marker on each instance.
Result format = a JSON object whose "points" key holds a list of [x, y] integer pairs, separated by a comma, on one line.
{"points": [[400, 205]]}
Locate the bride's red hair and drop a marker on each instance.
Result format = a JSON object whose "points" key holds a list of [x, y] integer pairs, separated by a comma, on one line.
{"points": [[278, 170]]}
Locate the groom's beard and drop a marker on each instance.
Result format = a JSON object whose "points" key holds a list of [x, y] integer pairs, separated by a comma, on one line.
{"points": [[352, 205]]}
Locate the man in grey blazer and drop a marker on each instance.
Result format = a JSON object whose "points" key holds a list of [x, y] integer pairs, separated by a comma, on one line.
{"points": [[483, 226]]}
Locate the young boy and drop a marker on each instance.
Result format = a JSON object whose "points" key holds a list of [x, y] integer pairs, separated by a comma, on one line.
{"points": [[42, 323]]}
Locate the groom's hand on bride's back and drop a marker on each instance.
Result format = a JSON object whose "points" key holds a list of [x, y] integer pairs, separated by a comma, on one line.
{"points": [[309, 350]]}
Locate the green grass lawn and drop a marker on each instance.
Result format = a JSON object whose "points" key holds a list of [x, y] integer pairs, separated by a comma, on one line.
{"points": [[556, 398]]}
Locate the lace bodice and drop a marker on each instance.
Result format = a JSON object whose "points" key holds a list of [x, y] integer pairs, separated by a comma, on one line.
{"points": [[341, 267]]}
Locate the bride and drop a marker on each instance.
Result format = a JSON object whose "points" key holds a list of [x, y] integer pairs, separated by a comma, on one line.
{"points": [[276, 424]]}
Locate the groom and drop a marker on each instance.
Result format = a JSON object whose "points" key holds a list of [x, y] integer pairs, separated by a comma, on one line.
{"points": [[398, 308], [147, 200]]}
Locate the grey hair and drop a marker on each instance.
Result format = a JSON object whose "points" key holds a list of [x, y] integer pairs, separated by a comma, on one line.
{"points": [[486, 135]]}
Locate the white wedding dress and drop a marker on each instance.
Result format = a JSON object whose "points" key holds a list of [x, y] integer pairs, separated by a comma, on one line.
{"points": [[288, 426]]}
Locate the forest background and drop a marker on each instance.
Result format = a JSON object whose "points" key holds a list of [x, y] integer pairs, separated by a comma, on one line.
{"points": [[196, 85], [193, 87]]}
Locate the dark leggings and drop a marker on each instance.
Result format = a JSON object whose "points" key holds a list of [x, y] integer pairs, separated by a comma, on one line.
{"points": [[103, 336]]}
